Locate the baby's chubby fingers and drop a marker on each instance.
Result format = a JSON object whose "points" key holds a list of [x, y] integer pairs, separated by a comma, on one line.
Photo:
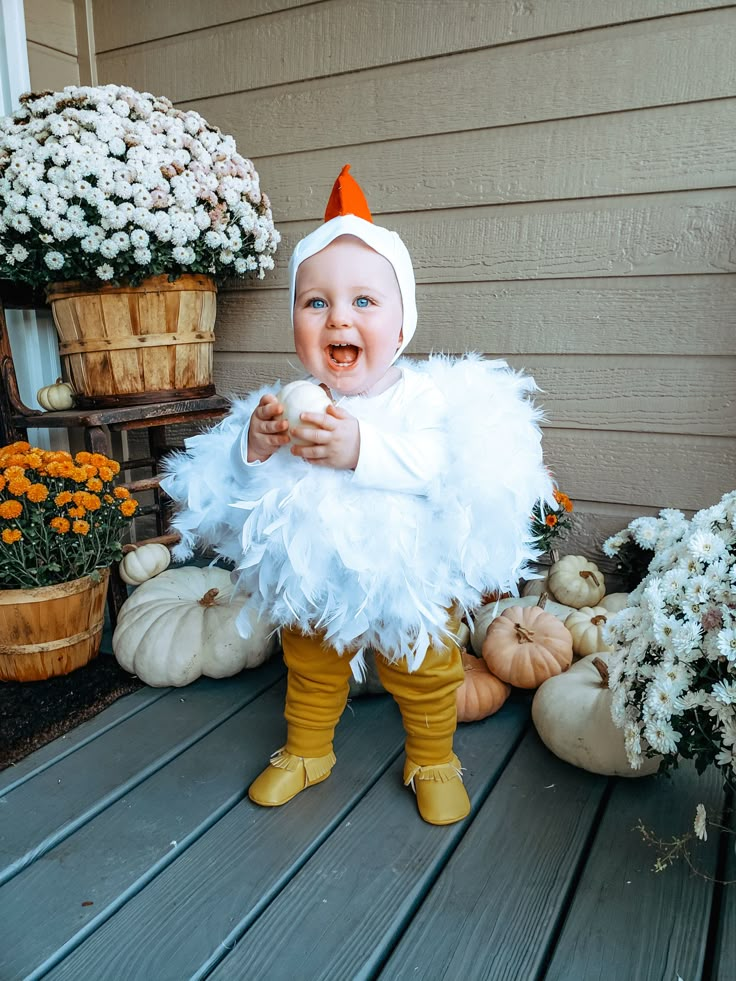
{"points": [[269, 414]]}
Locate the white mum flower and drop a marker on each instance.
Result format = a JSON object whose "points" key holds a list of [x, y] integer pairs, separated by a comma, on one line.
{"points": [[21, 223], [36, 205], [122, 241], [109, 249], [105, 271], [241, 266], [699, 825], [661, 736], [54, 260], [726, 642], [706, 546], [90, 244], [142, 256], [632, 745], [19, 253], [725, 691], [139, 238]]}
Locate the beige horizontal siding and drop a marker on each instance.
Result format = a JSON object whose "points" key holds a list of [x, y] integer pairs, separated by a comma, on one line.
{"points": [[662, 234], [656, 62], [656, 315], [51, 23], [665, 148], [334, 38], [51, 69]]}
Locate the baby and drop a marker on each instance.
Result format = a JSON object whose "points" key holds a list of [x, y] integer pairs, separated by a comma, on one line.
{"points": [[389, 515]]}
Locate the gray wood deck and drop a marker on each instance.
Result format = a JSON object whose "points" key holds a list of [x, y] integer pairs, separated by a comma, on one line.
{"points": [[128, 850]]}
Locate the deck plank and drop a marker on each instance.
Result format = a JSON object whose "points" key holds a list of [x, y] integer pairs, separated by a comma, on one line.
{"points": [[189, 915], [43, 811], [114, 855], [724, 945], [495, 906], [338, 916], [625, 920]]}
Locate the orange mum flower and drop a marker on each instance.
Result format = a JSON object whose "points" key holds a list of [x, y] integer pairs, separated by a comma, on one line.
{"points": [[108, 499], [551, 520], [60, 525], [11, 535], [11, 472], [61, 499], [83, 457], [94, 484], [3, 482], [106, 474], [37, 493], [92, 502], [10, 510], [122, 493], [34, 461], [128, 508], [78, 512], [81, 527], [19, 485]]}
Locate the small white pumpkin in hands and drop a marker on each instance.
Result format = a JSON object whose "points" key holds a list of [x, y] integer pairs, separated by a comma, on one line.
{"points": [[56, 397], [143, 562], [572, 714], [298, 397], [576, 581], [181, 625], [613, 602], [586, 626]]}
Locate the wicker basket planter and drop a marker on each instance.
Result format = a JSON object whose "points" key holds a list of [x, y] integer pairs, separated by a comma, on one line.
{"points": [[51, 630], [137, 344]]}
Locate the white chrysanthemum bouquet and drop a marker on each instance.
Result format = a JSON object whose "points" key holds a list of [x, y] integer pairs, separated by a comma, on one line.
{"points": [[673, 677], [109, 186]]}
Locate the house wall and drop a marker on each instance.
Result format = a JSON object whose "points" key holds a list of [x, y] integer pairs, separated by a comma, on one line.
{"points": [[52, 43], [562, 173]]}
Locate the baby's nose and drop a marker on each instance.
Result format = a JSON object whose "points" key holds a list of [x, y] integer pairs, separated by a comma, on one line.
{"points": [[340, 315]]}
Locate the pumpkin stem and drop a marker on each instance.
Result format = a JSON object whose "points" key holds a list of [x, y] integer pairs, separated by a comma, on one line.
{"points": [[523, 634], [209, 598], [598, 619], [542, 601], [602, 670], [587, 574]]}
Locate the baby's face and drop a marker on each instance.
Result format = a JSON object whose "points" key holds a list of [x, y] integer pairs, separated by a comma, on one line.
{"points": [[347, 316]]}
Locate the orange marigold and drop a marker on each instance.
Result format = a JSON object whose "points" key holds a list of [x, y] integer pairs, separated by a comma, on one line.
{"points": [[108, 499], [122, 493], [92, 502], [78, 512], [11, 472], [61, 499], [551, 520], [106, 474], [37, 493], [128, 508], [10, 510], [81, 527], [83, 457], [34, 461], [78, 474], [3, 482], [11, 535], [60, 525], [563, 499], [19, 485], [94, 484]]}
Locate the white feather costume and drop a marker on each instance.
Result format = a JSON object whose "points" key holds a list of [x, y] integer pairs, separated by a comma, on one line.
{"points": [[314, 550]]}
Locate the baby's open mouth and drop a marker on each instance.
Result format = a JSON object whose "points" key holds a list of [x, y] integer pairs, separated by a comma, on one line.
{"points": [[343, 354]]}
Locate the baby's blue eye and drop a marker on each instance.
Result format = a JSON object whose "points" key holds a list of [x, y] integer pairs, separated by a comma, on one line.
{"points": [[316, 303], [362, 301]]}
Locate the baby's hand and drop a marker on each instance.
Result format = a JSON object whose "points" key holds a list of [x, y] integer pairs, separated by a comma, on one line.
{"points": [[333, 438], [267, 430]]}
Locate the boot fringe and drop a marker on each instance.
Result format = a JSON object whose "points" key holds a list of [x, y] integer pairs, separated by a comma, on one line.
{"points": [[441, 773], [314, 768]]}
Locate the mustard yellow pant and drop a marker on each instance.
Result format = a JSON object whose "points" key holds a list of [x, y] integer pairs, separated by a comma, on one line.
{"points": [[317, 692]]}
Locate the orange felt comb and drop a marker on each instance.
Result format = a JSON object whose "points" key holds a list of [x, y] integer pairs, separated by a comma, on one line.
{"points": [[347, 198]]}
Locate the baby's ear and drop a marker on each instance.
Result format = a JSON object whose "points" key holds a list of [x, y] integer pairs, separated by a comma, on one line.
{"points": [[401, 338]]}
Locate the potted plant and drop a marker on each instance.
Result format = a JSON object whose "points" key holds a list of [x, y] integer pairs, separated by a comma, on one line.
{"points": [[61, 519], [128, 212]]}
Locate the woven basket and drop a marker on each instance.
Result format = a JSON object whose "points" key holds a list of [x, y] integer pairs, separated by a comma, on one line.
{"points": [[137, 344], [51, 630]]}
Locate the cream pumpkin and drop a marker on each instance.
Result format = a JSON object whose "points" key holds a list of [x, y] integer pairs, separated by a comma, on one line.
{"points": [[298, 397], [56, 397], [481, 693], [613, 602], [576, 581], [526, 645], [572, 714], [535, 587], [181, 625], [143, 562], [586, 627]]}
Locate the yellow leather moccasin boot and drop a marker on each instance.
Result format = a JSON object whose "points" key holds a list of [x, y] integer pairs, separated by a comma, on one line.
{"points": [[287, 775], [440, 792]]}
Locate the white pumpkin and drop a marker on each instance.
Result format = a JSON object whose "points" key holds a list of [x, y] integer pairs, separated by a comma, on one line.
{"points": [[586, 626], [485, 615], [576, 581], [54, 398], [143, 562], [298, 397], [535, 587], [572, 714], [613, 602], [181, 625]]}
